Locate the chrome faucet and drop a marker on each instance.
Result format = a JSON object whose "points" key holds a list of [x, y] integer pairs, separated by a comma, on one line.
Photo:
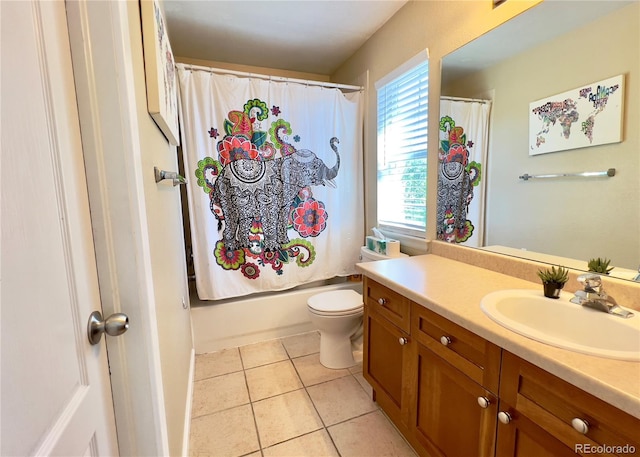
{"points": [[594, 296], [637, 277]]}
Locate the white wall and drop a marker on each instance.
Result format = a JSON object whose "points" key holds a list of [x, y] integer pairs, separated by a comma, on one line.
{"points": [[576, 218]]}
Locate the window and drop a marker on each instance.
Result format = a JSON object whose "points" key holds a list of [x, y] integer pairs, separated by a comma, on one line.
{"points": [[402, 147]]}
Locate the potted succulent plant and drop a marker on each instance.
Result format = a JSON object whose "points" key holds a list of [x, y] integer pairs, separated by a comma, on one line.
{"points": [[599, 266], [553, 280]]}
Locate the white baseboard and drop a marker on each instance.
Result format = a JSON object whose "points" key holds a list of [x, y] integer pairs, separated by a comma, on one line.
{"points": [[187, 414]]}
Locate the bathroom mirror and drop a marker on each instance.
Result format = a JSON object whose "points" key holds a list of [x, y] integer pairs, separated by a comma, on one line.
{"points": [[552, 48]]}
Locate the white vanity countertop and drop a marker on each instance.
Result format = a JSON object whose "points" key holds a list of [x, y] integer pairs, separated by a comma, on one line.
{"points": [[424, 279]]}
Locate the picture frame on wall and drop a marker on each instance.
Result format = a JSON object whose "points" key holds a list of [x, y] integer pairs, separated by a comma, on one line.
{"points": [[160, 73], [589, 115]]}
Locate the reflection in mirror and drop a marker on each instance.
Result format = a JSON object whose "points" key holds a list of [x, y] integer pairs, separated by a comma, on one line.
{"points": [[552, 48]]}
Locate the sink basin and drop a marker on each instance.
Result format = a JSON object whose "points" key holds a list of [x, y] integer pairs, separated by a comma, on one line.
{"points": [[563, 324]]}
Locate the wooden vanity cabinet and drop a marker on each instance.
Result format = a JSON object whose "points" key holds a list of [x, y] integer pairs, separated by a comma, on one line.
{"points": [[453, 412], [542, 409], [386, 358], [452, 393]]}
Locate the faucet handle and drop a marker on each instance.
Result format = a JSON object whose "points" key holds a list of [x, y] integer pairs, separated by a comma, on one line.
{"points": [[591, 282]]}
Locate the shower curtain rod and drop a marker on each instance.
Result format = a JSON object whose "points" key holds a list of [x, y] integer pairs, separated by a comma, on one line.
{"points": [[469, 100], [270, 78]]}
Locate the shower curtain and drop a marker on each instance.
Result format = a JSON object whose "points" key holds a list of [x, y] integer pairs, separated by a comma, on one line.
{"points": [[464, 132], [275, 188]]}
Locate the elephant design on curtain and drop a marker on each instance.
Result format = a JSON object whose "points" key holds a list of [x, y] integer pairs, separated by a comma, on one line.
{"points": [[455, 192], [457, 177], [259, 189], [249, 190], [275, 195]]}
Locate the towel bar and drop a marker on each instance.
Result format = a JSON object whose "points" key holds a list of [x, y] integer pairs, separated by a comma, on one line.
{"points": [[587, 174]]}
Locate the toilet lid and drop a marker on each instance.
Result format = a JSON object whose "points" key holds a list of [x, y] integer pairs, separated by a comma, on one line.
{"points": [[336, 301]]}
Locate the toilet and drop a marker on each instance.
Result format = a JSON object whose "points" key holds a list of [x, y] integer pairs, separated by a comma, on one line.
{"points": [[338, 317]]}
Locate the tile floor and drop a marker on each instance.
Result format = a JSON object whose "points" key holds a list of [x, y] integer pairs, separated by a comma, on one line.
{"points": [[275, 399]]}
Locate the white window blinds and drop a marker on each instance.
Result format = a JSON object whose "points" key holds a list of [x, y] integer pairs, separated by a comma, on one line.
{"points": [[402, 147]]}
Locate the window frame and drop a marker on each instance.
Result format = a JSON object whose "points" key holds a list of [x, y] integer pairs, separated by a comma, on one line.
{"points": [[398, 230]]}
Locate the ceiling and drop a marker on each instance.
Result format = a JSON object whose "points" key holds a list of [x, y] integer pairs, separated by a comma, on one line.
{"points": [[317, 36], [311, 36]]}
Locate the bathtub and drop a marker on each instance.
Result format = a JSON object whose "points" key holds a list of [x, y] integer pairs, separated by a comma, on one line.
{"points": [[223, 324]]}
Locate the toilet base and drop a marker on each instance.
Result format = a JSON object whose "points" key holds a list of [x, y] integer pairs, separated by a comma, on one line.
{"points": [[338, 317], [336, 352]]}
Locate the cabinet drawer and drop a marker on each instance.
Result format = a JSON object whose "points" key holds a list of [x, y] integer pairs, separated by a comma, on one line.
{"points": [[389, 304], [473, 355], [553, 403]]}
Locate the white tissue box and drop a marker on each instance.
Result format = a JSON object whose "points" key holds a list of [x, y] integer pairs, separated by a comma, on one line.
{"points": [[385, 247]]}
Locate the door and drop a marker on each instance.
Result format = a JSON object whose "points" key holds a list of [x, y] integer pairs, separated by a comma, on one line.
{"points": [[56, 395]]}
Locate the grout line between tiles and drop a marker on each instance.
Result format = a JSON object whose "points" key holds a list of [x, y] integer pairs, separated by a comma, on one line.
{"points": [[324, 425], [253, 413]]}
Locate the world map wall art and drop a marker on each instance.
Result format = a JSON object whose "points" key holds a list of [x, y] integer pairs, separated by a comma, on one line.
{"points": [[589, 115]]}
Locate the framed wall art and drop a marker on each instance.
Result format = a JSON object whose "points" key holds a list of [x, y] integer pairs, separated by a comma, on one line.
{"points": [[162, 88], [589, 115]]}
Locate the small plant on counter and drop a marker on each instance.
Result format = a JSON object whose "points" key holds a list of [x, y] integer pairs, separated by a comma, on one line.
{"points": [[553, 280], [599, 266], [558, 275]]}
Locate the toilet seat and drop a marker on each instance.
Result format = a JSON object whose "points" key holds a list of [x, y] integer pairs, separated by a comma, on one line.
{"points": [[336, 313], [336, 303]]}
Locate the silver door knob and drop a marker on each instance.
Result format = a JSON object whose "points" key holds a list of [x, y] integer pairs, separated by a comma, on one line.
{"points": [[580, 425], [403, 340], [504, 417], [114, 325], [382, 301]]}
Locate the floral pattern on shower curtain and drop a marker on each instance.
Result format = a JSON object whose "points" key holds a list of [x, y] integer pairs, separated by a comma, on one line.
{"points": [[464, 127], [276, 182]]}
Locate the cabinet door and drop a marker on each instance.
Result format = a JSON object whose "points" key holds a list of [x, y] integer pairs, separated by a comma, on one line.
{"points": [[385, 364], [447, 417], [521, 437]]}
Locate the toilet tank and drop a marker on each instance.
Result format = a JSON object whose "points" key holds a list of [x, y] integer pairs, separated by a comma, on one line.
{"points": [[367, 255]]}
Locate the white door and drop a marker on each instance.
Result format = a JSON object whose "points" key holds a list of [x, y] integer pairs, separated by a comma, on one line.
{"points": [[56, 394]]}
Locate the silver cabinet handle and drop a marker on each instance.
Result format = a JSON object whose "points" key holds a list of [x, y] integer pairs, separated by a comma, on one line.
{"points": [[504, 417], [114, 325], [484, 402], [403, 340], [382, 301], [580, 425], [445, 340]]}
